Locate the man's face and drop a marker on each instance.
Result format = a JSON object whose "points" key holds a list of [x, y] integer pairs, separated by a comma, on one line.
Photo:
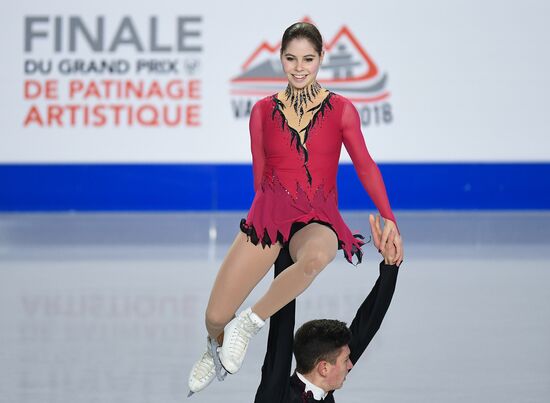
{"points": [[337, 372]]}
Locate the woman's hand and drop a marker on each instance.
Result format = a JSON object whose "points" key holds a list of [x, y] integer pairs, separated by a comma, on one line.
{"points": [[389, 237]]}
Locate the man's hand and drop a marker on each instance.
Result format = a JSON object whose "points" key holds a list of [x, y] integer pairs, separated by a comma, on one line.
{"points": [[389, 251]]}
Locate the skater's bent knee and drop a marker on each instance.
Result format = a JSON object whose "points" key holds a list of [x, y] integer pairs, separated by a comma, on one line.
{"points": [[217, 319], [315, 262]]}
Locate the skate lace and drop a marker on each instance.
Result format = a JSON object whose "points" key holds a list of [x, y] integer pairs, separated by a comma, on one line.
{"points": [[204, 366], [243, 332]]}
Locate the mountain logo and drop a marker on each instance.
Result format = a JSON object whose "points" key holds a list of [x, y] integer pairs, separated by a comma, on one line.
{"points": [[347, 69]]}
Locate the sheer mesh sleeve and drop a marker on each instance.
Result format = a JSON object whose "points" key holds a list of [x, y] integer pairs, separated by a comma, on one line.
{"points": [[256, 144], [366, 168]]}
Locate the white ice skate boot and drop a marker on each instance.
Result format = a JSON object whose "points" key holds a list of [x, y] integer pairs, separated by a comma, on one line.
{"points": [[237, 335], [205, 369]]}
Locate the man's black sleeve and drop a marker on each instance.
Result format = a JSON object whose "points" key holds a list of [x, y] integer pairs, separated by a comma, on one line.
{"points": [[275, 384], [371, 312]]}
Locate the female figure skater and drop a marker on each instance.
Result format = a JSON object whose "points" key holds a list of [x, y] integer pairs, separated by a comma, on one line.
{"points": [[296, 138]]}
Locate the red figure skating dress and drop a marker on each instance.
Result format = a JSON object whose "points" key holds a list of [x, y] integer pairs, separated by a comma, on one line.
{"points": [[296, 138]]}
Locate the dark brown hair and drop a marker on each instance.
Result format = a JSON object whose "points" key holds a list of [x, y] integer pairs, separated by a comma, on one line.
{"points": [[319, 340], [305, 30]]}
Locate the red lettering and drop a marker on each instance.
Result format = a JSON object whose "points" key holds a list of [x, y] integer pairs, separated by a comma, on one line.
{"points": [[75, 86], [192, 115], [194, 89], [72, 113], [154, 90], [166, 116], [153, 121], [54, 114], [174, 89], [92, 91], [51, 89], [33, 89], [117, 109], [99, 113], [33, 117]]}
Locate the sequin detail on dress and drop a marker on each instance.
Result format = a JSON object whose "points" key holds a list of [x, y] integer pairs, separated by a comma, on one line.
{"points": [[286, 198], [274, 211]]}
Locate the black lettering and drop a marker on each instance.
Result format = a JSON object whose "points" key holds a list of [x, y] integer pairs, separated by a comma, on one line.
{"points": [[242, 107]]}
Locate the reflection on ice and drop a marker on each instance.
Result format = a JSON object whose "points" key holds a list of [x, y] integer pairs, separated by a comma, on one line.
{"points": [[110, 308]]}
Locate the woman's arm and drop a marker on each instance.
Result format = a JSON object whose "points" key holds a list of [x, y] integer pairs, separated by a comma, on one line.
{"points": [[256, 144], [369, 174]]}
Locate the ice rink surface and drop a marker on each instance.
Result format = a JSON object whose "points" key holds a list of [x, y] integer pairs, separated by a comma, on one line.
{"points": [[109, 308]]}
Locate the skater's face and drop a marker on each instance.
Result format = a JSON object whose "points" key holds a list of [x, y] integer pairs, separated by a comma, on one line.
{"points": [[301, 62], [336, 373]]}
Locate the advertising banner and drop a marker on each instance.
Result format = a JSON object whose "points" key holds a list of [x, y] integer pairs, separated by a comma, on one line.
{"points": [[175, 82], [438, 86]]}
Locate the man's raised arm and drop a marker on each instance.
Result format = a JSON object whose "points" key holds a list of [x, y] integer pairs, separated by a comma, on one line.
{"points": [[370, 314]]}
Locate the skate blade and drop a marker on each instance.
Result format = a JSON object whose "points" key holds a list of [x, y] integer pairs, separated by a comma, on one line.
{"points": [[221, 373]]}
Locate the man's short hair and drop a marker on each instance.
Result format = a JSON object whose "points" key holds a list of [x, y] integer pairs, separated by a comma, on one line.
{"points": [[319, 340]]}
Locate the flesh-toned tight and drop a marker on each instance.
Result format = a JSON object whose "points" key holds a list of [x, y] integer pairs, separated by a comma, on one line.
{"points": [[311, 248]]}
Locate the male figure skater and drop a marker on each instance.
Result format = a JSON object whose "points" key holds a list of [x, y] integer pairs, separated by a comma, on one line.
{"points": [[325, 350]]}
